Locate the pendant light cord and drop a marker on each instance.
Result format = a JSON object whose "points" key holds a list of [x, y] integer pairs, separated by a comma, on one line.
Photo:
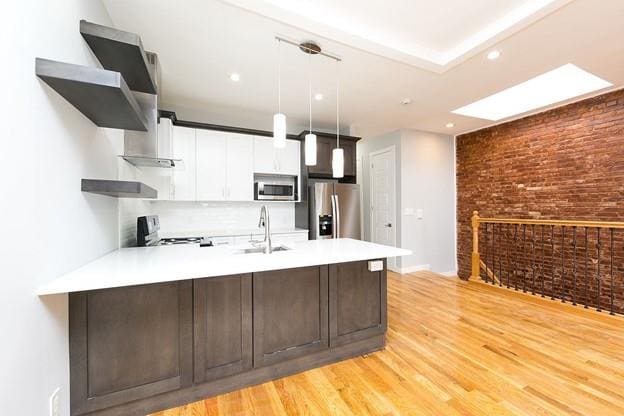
{"points": [[310, 88], [337, 105], [279, 76]]}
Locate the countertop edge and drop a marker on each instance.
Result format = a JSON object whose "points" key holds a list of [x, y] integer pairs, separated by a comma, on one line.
{"points": [[259, 263]]}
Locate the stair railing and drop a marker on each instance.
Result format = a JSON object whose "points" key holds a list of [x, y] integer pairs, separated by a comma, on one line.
{"points": [[564, 259]]}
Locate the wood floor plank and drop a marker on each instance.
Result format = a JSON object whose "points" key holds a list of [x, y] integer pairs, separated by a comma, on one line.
{"points": [[457, 348]]}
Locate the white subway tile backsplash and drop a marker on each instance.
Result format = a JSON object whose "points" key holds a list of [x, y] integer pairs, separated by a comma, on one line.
{"points": [[179, 216], [193, 216]]}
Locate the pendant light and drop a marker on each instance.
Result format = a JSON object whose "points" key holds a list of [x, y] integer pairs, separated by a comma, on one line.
{"points": [[310, 138], [337, 153], [279, 119]]}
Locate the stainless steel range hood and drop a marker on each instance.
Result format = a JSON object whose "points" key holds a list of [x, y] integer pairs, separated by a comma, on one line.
{"points": [[152, 148]]}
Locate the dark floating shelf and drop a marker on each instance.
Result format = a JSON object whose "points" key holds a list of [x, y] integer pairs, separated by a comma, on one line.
{"points": [[121, 52], [101, 95], [118, 189]]}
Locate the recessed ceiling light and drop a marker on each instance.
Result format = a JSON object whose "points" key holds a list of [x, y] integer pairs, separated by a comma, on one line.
{"points": [[406, 101], [318, 96], [450, 125], [234, 77], [492, 55], [560, 84]]}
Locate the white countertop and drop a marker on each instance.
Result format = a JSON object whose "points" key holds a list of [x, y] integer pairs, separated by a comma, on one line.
{"points": [[144, 265], [228, 233]]}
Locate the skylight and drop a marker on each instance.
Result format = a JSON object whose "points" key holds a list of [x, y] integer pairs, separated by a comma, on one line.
{"points": [[560, 84]]}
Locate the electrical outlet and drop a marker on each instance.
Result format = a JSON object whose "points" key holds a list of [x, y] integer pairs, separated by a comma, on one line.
{"points": [[54, 403], [419, 213]]}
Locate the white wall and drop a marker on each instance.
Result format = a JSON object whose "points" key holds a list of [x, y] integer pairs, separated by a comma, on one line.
{"points": [[428, 183], [49, 226], [425, 169]]}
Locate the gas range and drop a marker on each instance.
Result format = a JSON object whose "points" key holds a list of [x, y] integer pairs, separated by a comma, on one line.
{"points": [[181, 240], [147, 235]]}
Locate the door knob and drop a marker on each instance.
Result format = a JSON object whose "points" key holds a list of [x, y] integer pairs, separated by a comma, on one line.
{"points": [[389, 225]]}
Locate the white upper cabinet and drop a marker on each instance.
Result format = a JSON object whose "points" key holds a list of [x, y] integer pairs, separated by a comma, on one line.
{"points": [[264, 155], [268, 159], [289, 159], [184, 184], [220, 166], [211, 164], [224, 166], [239, 167]]}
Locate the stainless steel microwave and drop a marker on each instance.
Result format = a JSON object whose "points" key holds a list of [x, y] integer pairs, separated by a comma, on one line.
{"points": [[275, 188]]}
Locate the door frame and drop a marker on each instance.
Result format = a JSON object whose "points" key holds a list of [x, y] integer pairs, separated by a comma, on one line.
{"points": [[392, 149]]}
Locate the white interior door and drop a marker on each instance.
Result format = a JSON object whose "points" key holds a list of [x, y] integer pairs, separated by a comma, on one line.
{"points": [[383, 198]]}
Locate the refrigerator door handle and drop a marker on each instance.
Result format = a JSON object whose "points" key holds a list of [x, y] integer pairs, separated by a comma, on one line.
{"points": [[337, 235], [334, 219]]}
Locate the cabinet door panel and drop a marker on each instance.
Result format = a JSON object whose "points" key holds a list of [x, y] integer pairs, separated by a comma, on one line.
{"points": [[223, 326], [129, 343], [264, 155], [211, 165], [290, 314], [349, 157], [289, 158], [240, 163], [357, 302], [324, 146], [184, 147]]}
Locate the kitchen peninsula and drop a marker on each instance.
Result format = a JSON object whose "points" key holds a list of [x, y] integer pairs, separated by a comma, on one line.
{"points": [[156, 327]]}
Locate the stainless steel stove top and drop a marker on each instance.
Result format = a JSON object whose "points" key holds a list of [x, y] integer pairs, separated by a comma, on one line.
{"points": [[181, 240]]}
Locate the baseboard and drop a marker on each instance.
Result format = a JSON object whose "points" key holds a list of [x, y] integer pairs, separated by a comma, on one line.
{"points": [[412, 269], [451, 273]]}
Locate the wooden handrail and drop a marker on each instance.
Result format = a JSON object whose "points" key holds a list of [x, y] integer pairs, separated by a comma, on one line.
{"points": [[565, 223], [476, 220], [566, 269]]}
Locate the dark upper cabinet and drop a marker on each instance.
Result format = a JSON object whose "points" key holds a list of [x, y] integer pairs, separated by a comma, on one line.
{"points": [[222, 326], [290, 314], [357, 302], [129, 343], [325, 143]]}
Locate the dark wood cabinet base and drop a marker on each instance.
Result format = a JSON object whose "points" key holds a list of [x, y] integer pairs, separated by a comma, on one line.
{"points": [[140, 349], [255, 376]]}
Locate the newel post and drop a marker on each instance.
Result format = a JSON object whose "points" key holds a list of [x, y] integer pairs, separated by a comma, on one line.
{"points": [[475, 247]]}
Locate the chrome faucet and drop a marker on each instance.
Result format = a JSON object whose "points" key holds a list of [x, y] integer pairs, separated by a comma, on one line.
{"points": [[264, 221]]}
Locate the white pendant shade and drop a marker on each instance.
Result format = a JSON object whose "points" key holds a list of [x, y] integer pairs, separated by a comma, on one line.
{"points": [[338, 163], [310, 149], [279, 131]]}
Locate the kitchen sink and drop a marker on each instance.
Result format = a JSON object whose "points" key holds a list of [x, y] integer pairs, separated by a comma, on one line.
{"points": [[260, 250]]}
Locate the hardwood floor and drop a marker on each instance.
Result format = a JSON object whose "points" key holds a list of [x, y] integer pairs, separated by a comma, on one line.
{"points": [[457, 348]]}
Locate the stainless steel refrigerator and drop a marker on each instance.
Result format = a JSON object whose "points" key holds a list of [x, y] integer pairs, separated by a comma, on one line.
{"points": [[334, 210]]}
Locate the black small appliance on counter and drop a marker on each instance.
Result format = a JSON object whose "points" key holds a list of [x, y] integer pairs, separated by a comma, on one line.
{"points": [[147, 234]]}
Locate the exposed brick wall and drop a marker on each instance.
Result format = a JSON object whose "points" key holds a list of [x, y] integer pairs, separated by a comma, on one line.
{"points": [[566, 163]]}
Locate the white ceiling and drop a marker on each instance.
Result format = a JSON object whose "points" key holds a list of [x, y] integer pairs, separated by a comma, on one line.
{"points": [[199, 42], [434, 35]]}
